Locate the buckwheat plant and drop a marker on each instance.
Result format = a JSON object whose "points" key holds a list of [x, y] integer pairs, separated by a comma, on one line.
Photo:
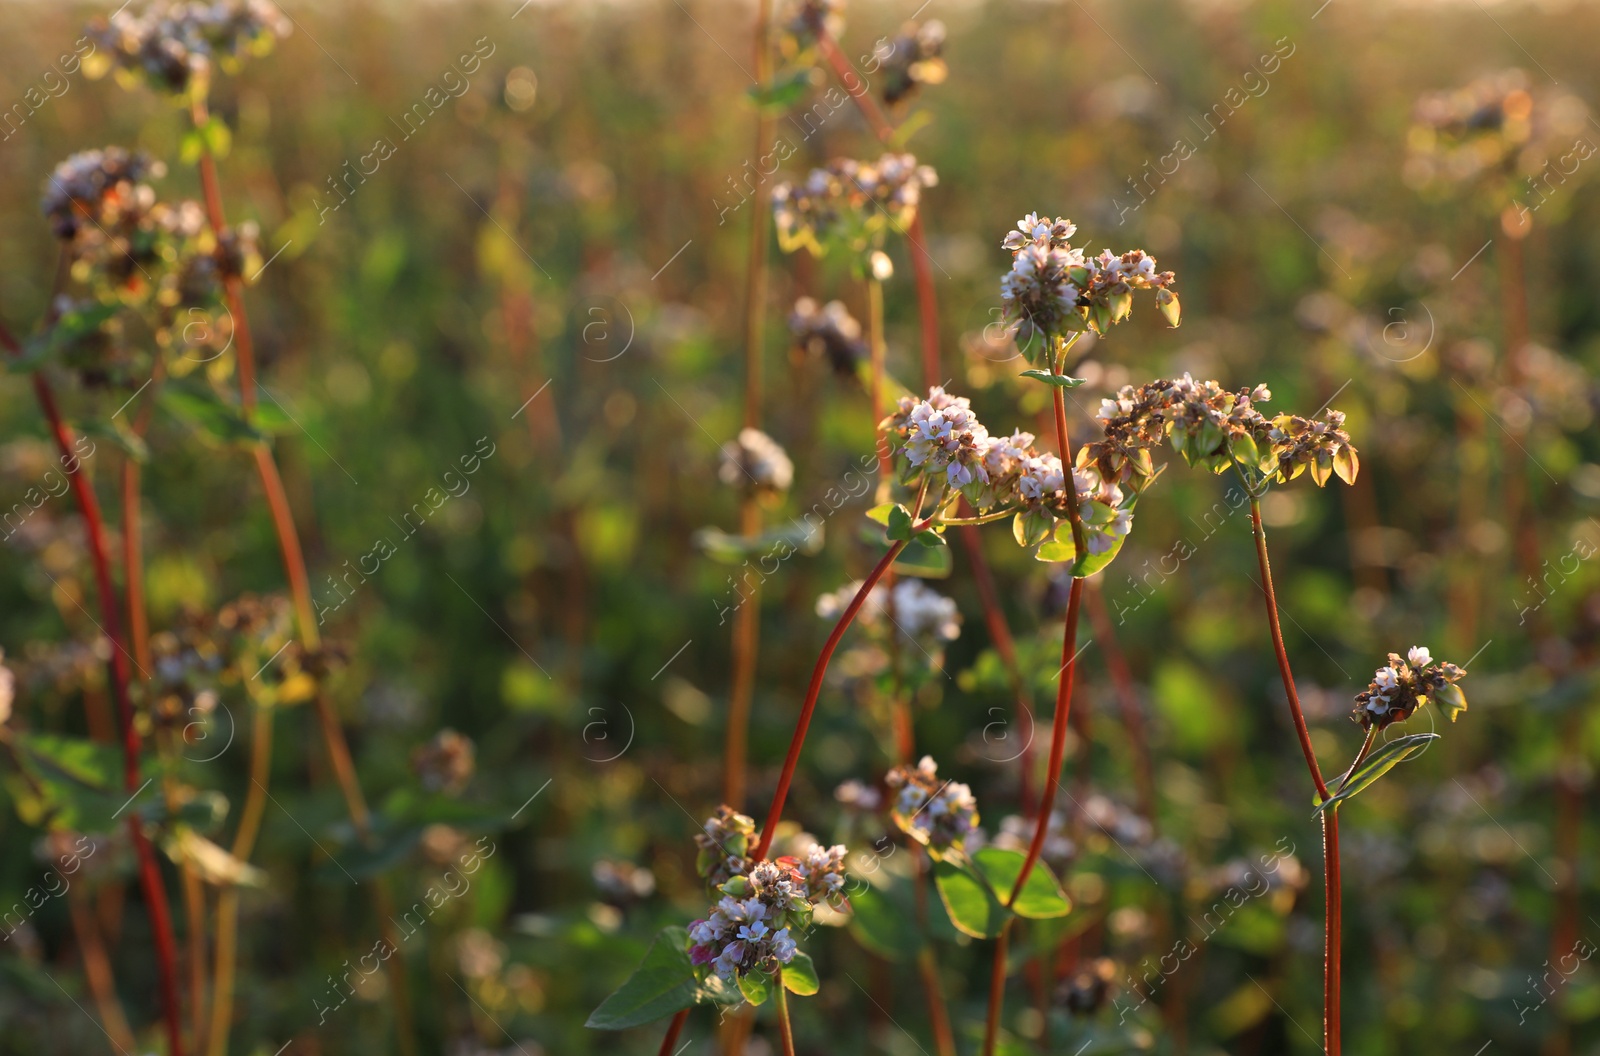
{"points": [[940, 815]]}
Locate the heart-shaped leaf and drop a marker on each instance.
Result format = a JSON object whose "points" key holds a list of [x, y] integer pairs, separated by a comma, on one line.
{"points": [[883, 924], [756, 987], [1041, 897], [663, 983]]}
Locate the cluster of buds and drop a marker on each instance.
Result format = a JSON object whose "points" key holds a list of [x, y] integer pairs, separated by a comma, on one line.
{"points": [[1054, 290], [829, 332], [750, 928], [446, 763], [822, 870], [909, 607], [1214, 428], [850, 202], [911, 59], [938, 815], [1492, 129], [756, 462], [1402, 686], [725, 844], [943, 441], [172, 44]]}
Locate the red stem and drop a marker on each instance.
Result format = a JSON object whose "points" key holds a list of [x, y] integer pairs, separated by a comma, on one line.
{"points": [[775, 813], [1332, 910], [1127, 696], [150, 883], [673, 1031]]}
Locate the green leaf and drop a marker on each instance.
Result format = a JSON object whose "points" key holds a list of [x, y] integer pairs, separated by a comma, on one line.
{"points": [[884, 924], [785, 90], [899, 524], [663, 983], [880, 513], [1031, 527], [1245, 451], [1377, 764], [1093, 562], [1060, 381], [779, 544], [213, 137], [756, 987], [929, 538], [199, 407], [1057, 551], [973, 907], [1451, 700], [67, 331], [117, 432], [800, 976], [1041, 897], [75, 783], [928, 562]]}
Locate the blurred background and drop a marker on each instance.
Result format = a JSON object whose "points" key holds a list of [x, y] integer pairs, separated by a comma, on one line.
{"points": [[547, 273]]}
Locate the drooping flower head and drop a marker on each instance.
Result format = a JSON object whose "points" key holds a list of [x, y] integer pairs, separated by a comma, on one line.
{"points": [[1053, 289], [171, 43], [829, 332], [909, 607], [850, 203], [937, 814], [756, 462], [911, 59], [1405, 684]]}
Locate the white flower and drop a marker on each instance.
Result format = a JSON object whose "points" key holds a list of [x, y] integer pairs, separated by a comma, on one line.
{"points": [[755, 460], [1387, 678], [753, 932], [1419, 657], [783, 947]]}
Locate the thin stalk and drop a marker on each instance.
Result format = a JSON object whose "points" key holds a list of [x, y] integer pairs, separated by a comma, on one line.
{"points": [[944, 1041], [875, 386], [775, 813], [294, 565], [97, 968], [150, 882], [673, 1030], [1332, 910], [747, 621], [1361, 757], [1058, 722], [987, 518], [785, 1034]]}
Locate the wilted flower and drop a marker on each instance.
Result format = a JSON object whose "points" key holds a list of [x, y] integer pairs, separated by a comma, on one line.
{"points": [[911, 58], [757, 462], [1056, 290], [725, 844], [850, 202], [1402, 686], [830, 332], [939, 815], [446, 763], [171, 43]]}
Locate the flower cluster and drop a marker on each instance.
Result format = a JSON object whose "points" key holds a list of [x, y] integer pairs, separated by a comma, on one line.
{"points": [[1402, 686], [725, 845], [941, 437], [916, 611], [829, 332], [939, 815], [757, 462], [1054, 290], [850, 202], [822, 870], [172, 43], [749, 929], [127, 247], [446, 763], [809, 19], [1215, 428], [911, 59], [1491, 129]]}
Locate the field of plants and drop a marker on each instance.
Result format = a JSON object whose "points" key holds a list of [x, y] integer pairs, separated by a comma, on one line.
{"points": [[786, 527]]}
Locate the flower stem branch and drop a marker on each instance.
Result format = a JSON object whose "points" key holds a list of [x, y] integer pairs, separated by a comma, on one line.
{"points": [[785, 1032], [1332, 911], [150, 882]]}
